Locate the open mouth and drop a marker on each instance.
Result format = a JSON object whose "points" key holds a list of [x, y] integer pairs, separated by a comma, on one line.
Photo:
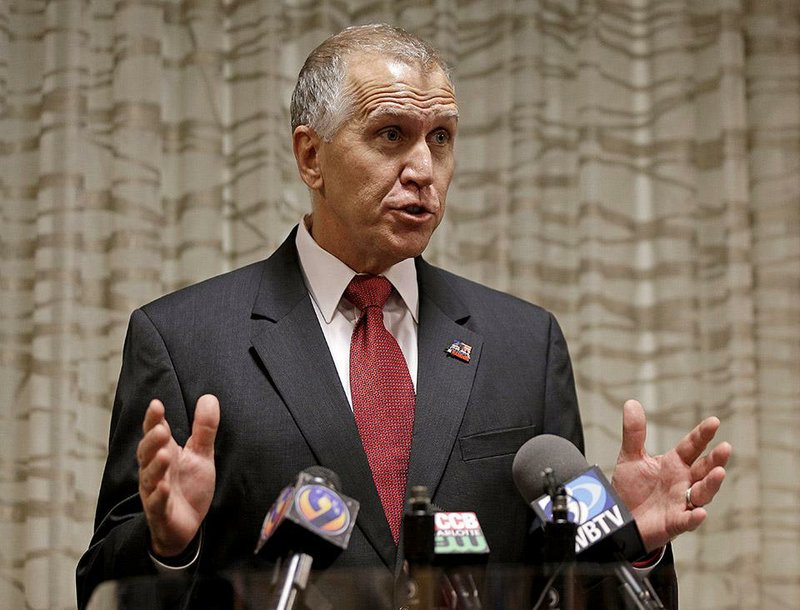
{"points": [[414, 212]]}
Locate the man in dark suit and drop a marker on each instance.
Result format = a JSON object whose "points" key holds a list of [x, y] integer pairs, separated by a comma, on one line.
{"points": [[243, 380]]}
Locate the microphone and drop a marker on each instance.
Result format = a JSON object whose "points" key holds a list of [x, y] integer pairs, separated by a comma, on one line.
{"points": [[604, 523], [451, 542], [559, 548], [605, 529], [310, 522], [418, 548]]}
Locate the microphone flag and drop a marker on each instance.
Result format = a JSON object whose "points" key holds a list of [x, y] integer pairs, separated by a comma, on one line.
{"points": [[458, 538], [600, 514], [308, 514]]}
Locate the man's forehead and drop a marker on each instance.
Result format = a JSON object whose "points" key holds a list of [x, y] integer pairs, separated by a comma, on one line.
{"points": [[382, 85], [396, 66]]}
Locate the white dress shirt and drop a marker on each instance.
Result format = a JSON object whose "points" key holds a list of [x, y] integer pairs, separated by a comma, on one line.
{"points": [[326, 278]]}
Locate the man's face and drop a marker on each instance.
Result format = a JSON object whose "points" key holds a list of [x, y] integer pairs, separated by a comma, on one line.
{"points": [[383, 177]]}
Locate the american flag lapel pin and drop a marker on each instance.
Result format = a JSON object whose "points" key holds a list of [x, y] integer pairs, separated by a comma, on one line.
{"points": [[460, 350]]}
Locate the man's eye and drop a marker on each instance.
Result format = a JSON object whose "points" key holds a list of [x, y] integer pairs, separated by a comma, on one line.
{"points": [[441, 137], [392, 134]]}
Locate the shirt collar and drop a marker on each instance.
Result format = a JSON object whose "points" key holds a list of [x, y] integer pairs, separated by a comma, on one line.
{"points": [[327, 277]]}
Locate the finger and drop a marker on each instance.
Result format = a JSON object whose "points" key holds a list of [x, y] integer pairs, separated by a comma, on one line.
{"points": [[634, 430], [157, 437], [703, 491], [155, 505], [154, 414], [693, 444], [154, 472], [718, 456], [689, 521], [204, 426]]}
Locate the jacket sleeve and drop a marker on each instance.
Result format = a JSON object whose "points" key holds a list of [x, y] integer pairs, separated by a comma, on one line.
{"points": [[120, 545]]}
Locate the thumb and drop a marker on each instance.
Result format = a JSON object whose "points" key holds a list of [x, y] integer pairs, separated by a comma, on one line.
{"points": [[634, 430], [204, 427]]}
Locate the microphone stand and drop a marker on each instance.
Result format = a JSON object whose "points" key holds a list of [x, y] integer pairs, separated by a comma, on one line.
{"points": [[559, 547], [638, 591], [295, 580]]}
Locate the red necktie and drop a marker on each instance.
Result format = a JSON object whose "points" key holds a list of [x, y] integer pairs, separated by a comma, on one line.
{"points": [[383, 395]]}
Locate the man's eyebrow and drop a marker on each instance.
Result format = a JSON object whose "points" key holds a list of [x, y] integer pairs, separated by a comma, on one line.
{"points": [[387, 111]]}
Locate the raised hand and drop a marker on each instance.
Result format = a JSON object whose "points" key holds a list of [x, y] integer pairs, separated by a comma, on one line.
{"points": [[176, 484], [654, 488]]}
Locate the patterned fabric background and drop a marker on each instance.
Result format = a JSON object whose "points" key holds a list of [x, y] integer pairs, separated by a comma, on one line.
{"points": [[633, 165]]}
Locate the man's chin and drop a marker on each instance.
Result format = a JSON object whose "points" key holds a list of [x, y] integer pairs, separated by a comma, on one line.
{"points": [[412, 248], [393, 254]]}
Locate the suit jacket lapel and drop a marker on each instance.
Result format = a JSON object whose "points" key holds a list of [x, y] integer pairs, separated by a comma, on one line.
{"points": [[444, 383], [290, 343]]}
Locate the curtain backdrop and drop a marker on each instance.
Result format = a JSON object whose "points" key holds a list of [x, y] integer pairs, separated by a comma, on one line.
{"points": [[632, 165]]}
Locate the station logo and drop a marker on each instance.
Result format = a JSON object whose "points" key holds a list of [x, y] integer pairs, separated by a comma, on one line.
{"points": [[322, 509]]}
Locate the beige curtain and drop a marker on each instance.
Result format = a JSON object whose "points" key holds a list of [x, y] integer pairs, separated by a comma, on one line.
{"points": [[633, 165]]}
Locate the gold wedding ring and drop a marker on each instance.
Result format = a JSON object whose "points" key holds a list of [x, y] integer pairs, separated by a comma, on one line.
{"points": [[689, 504]]}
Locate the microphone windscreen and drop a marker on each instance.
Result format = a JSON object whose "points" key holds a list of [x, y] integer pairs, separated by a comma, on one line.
{"points": [[545, 451]]}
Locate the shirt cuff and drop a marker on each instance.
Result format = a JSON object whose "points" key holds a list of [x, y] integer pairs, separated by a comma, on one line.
{"points": [[646, 564], [180, 563]]}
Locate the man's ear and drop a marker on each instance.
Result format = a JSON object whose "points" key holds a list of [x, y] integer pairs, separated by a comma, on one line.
{"points": [[306, 144]]}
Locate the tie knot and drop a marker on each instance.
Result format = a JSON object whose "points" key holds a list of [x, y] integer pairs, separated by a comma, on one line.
{"points": [[368, 291]]}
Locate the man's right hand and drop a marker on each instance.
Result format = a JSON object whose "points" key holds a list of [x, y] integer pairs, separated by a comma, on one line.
{"points": [[176, 484]]}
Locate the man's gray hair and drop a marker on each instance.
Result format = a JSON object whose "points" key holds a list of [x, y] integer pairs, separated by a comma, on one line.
{"points": [[319, 99]]}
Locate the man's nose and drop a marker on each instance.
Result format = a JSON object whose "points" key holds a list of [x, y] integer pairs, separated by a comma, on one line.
{"points": [[418, 168]]}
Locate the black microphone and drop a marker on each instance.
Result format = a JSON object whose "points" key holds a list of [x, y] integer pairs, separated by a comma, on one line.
{"points": [[418, 545], [442, 549], [559, 548], [310, 522], [606, 530]]}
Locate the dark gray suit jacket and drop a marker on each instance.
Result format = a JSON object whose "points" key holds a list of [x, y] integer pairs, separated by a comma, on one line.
{"points": [[251, 337]]}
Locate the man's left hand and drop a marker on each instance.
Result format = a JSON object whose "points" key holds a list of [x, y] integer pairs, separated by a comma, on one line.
{"points": [[654, 488]]}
